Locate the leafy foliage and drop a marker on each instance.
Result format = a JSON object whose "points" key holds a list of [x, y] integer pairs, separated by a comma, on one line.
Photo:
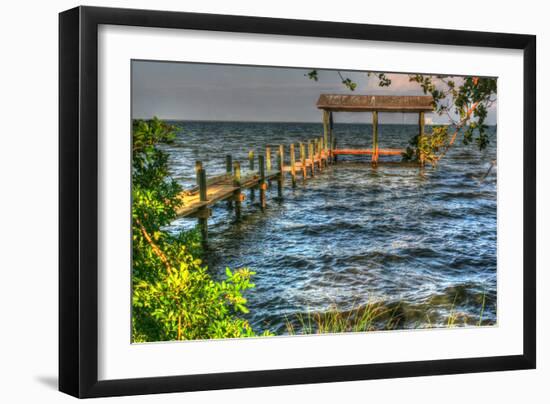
{"points": [[425, 148], [173, 296], [465, 105], [313, 75], [383, 80]]}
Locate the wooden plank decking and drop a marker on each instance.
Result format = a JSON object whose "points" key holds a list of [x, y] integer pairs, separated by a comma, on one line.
{"points": [[381, 152], [225, 186], [313, 159], [219, 188]]}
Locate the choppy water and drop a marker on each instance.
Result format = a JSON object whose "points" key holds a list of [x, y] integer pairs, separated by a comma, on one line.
{"points": [[353, 235]]}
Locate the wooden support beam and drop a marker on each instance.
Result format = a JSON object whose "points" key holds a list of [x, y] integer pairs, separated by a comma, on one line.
{"points": [[280, 167], [251, 167], [229, 170], [198, 167], [268, 158], [202, 214], [303, 161], [237, 196], [263, 185], [268, 161], [381, 152], [311, 157], [314, 146], [321, 148], [374, 158], [421, 122], [282, 154], [293, 165], [326, 128], [318, 154], [332, 140]]}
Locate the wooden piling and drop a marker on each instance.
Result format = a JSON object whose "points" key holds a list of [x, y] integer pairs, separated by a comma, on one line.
{"points": [[421, 123], [320, 153], [282, 154], [326, 129], [293, 165], [203, 212], [332, 144], [311, 157], [198, 167], [303, 161], [316, 151], [268, 164], [374, 158], [268, 158], [228, 170], [262, 184], [280, 177], [251, 167], [237, 196]]}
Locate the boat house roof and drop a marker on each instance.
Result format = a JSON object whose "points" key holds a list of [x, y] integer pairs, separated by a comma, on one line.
{"points": [[381, 103]]}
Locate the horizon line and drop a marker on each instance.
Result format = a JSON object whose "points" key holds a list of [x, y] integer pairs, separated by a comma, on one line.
{"points": [[270, 121]]}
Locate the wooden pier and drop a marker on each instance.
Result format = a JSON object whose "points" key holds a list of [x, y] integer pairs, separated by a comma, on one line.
{"points": [[306, 159], [231, 186]]}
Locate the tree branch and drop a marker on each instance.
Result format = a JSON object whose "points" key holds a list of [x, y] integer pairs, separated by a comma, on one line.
{"points": [[156, 249]]}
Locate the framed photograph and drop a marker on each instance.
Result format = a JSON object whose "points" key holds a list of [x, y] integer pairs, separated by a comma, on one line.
{"points": [[251, 201]]}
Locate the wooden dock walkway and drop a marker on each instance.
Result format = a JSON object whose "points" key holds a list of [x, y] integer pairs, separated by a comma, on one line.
{"points": [[218, 191], [381, 152], [313, 157]]}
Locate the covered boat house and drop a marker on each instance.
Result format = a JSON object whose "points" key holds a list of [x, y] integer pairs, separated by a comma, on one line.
{"points": [[330, 103]]}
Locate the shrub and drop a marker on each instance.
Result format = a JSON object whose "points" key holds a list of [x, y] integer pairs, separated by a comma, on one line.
{"points": [[173, 295]]}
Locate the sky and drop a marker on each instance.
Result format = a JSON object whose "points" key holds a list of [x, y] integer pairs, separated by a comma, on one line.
{"points": [[197, 91]]}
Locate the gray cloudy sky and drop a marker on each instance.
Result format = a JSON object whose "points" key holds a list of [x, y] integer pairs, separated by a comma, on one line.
{"points": [[196, 91]]}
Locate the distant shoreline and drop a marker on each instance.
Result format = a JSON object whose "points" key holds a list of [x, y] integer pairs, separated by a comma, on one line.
{"points": [[292, 122]]}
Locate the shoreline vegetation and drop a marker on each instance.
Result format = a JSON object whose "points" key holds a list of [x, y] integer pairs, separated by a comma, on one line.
{"points": [[175, 298], [378, 316]]}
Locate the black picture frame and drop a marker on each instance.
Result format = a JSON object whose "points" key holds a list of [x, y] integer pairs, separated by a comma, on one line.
{"points": [[78, 200]]}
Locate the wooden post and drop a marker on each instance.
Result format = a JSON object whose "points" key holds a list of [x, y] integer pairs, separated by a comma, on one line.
{"points": [[303, 161], [228, 170], [251, 167], [332, 144], [374, 159], [282, 154], [237, 196], [268, 167], [310, 155], [268, 158], [316, 152], [198, 167], [263, 185], [203, 211], [293, 165], [280, 176], [326, 128], [421, 123], [314, 143], [321, 147], [321, 153]]}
